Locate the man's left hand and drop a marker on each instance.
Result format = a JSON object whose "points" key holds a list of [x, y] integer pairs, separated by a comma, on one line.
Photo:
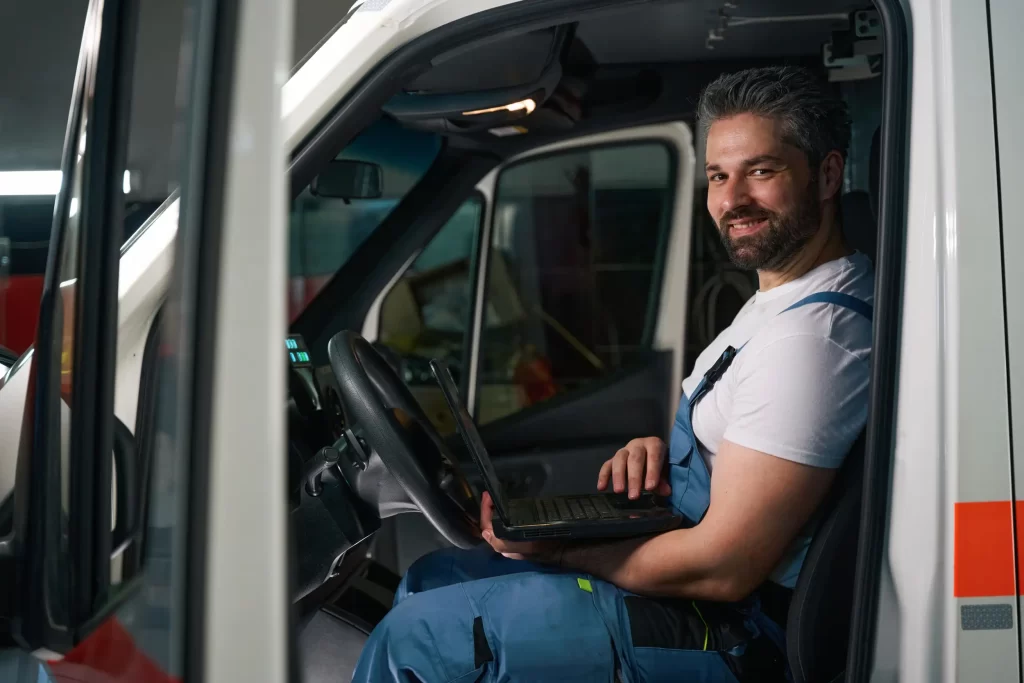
{"points": [[546, 552]]}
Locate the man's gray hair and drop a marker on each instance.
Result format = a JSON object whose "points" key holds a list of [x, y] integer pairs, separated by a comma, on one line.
{"points": [[813, 120]]}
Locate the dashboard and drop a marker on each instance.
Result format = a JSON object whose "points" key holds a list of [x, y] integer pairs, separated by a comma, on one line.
{"points": [[314, 391], [326, 525]]}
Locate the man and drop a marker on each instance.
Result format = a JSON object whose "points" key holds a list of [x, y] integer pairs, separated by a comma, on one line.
{"points": [[772, 408]]}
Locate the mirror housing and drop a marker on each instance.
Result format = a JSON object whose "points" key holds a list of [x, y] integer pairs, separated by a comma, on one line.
{"points": [[349, 179]]}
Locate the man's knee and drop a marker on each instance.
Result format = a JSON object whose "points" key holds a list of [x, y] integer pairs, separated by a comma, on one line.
{"points": [[433, 570], [426, 638]]}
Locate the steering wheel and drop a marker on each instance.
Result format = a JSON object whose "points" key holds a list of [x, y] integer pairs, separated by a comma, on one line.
{"points": [[404, 447]]}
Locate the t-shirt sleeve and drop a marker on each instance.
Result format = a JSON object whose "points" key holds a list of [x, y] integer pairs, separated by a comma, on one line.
{"points": [[803, 398]]}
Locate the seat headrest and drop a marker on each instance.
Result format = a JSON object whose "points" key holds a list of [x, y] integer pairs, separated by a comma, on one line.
{"points": [[859, 226]]}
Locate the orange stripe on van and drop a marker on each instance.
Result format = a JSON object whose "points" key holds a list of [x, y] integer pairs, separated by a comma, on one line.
{"points": [[983, 562], [1020, 546]]}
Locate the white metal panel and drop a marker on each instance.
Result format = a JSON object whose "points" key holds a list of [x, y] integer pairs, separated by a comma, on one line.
{"points": [[247, 602], [370, 35], [144, 272], [977, 415], [1008, 59], [951, 431], [1006, 19]]}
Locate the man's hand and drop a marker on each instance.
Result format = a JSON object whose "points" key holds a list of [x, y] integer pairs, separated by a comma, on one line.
{"points": [[641, 460], [546, 552]]}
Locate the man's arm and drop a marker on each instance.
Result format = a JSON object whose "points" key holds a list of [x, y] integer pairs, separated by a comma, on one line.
{"points": [[759, 503], [798, 404]]}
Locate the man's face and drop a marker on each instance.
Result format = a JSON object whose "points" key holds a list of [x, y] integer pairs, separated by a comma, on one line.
{"points": [[761, 192]]}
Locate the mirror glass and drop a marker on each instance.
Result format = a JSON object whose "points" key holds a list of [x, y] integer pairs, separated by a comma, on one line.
{"points": [[348, 179]]}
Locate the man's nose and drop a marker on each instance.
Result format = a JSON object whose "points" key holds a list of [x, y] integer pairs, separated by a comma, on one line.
{"points": [[733, 194]]}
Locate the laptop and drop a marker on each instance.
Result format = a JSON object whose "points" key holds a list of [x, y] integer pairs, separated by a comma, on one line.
{"points": [[598, 515]]}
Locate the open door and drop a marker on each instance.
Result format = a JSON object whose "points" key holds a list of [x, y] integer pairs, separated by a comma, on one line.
{"points": [[100, 581], [558, 292]]}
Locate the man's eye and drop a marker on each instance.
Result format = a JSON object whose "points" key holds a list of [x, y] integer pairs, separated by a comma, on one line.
{"points": [[715, 177], [761, 171]]}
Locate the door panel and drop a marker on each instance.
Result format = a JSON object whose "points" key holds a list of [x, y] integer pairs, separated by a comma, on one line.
{"points": [[573, 360], [577, 330]]}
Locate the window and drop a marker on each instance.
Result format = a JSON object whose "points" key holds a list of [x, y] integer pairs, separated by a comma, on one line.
{"points": [[573, 272], [426, 314], [325, 232]]}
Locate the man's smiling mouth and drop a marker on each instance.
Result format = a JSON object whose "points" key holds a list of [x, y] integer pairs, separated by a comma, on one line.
{"points": [[746, 226]]}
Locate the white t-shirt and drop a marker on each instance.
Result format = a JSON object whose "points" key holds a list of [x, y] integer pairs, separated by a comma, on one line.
{"points": [[799, 387]]}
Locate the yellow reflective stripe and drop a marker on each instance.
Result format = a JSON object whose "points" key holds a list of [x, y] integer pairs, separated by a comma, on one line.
{"points": [[707, 630], [585, 585]]}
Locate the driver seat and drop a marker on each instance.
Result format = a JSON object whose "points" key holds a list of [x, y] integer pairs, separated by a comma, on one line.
{"points": [[821, 609]]}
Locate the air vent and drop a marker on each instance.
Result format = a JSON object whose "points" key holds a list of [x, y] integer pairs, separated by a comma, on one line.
{"points": [[545, 533]]}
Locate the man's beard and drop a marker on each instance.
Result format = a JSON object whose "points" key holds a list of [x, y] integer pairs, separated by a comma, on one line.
{"points": [[774, 245]]}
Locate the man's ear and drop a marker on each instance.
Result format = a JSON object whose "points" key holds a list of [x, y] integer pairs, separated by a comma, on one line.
{"points": [[830, 176]]}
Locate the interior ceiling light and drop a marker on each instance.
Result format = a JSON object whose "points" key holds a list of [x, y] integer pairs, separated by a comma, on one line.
{"points": [[42, 183], [528, 104]]}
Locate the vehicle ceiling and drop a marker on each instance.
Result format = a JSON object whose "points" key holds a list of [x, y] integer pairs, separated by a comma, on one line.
{"points": [[647, 63], [677, 32]]}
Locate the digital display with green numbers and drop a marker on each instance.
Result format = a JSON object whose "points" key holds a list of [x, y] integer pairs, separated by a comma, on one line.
{"points": [[298, 354]]}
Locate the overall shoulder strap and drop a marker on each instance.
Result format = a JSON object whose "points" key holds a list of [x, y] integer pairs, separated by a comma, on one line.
{"points": [[848, 301], [716, 371]]}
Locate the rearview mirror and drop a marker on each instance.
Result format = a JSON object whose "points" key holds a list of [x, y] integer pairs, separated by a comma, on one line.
{"points": [[348, 179]]}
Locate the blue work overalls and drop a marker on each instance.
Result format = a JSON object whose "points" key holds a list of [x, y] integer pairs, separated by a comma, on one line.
{"points": [[463, 616]]}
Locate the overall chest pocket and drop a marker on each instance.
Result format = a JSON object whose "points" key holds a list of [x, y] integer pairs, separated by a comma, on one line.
{"points": [[683, 459]]}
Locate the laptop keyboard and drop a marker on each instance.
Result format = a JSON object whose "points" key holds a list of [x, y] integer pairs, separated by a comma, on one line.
{"points": [[569, 508]]}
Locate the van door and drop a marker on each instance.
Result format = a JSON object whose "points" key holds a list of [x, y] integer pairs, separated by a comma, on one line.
{"points": [[112, 569], [1007, 53], [558, 294]]}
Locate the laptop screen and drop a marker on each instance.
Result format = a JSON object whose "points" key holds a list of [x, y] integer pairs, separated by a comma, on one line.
{"points": [[467, 429]]}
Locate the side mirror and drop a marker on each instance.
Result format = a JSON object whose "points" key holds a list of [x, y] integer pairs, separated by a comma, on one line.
{"points": [[348, 179]]}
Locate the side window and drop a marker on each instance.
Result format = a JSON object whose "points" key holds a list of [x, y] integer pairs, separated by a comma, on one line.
{"points": [[80, 463], [573, 272], [27, 196], [428, 312], [325, 231]]}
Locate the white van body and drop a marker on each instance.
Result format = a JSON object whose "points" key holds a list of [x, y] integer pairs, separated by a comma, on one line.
{"points": [[962, 329]]}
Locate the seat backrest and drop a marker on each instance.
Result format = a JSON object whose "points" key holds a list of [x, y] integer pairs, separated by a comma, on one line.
{"points": [[859, 208], [818, 626]]}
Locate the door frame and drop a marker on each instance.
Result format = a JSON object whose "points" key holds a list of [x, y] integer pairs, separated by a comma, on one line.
{"points": [[673, 297]]}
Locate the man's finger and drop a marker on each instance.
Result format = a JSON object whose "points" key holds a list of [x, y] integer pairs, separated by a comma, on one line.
{"points": [[655, 459], [604, 475], [619, 471], [635, 469], [664, 488], [486, 512]]}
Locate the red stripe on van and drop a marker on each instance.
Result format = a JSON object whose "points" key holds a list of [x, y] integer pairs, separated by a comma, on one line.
{"points": [[983, 561]]}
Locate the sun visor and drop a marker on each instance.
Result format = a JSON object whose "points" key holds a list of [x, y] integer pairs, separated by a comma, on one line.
{"points": [[484, 85]]}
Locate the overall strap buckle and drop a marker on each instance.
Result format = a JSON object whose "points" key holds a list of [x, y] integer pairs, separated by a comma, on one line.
{"points": [[721, 365]]}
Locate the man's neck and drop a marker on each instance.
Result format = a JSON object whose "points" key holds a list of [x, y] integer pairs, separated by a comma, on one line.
{"points": [[826, 245]]}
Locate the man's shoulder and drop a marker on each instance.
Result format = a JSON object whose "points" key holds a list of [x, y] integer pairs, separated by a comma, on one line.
{"points": [[839, 322]]}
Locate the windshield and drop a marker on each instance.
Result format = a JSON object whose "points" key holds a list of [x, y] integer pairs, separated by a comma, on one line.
{"points": [[324, 233]]}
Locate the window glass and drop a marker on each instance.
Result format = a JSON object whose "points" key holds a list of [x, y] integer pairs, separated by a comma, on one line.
{"points": [[572, 283], [428, 312], [28, 186], [325, 232]]}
